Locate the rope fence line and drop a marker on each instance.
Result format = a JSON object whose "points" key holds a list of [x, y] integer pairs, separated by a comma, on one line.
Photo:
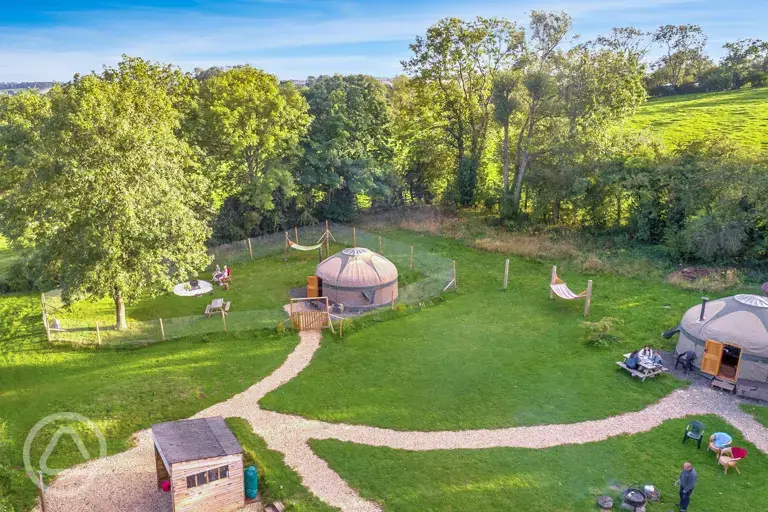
{"points": [[423, 276]]}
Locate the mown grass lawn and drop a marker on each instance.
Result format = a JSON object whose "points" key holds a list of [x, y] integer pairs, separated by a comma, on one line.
{"points": [[760, 412], [277, 482], [742, 115], [489, 358], [122, 391], [564, 478]]}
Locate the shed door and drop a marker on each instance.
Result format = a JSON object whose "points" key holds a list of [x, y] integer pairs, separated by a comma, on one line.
{"points": [[713, 354]]}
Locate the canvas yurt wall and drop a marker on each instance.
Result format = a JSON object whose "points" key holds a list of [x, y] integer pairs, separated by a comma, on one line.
{"points": [[741, 320], [358, 278]]}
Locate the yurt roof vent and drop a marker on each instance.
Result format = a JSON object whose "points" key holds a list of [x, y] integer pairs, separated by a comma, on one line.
{"points": [[704, 301], [756, 301]]}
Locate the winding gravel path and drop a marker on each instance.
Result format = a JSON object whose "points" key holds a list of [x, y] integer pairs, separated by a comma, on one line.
{"points": [[126, 481]]}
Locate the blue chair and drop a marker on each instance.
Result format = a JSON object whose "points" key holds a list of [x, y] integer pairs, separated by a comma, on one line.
{"points": [[694, 430]]}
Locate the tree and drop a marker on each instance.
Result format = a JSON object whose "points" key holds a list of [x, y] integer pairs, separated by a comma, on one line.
{"points": [[684, 51], [745, 61], [111, 200], [505, 104], [346, 151], [250, 126], [461, 59]]}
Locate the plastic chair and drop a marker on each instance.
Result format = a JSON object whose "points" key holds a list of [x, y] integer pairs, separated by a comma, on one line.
{"points": [[686, 359], [694, 430], [730, 457]]}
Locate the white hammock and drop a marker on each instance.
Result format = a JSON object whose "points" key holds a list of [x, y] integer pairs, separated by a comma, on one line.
{"points": [[559, 288]]}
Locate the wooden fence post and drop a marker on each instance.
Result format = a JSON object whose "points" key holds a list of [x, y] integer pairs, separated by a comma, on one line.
{"points": [[506, 273], [341, 328], [162, 329], [588, 299], [296, 230], [410, 263], [354, 237], [45, 317], [380, 244], [250, 249], [285, 257], [455, 279], [41, 486], [551, 292], [98, 333], [224, 319], [327, 240]]}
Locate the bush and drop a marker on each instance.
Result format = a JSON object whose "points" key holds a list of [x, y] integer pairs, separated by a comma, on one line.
{"points": [[600, 334], [467, 182]]}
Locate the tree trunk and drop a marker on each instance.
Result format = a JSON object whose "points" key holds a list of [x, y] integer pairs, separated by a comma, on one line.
{"points": [[119, 310], [506, 158], [519, 177], [526, 134], [618, 210]]}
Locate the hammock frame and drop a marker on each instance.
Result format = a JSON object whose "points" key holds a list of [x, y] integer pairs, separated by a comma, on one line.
{"points": [[558, 287]]}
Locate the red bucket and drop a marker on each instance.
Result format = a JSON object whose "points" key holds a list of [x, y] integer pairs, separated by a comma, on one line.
{"points": [[165, 485]]}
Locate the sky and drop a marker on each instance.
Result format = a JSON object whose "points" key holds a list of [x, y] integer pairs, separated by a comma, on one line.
{"points": [[42, 40]]}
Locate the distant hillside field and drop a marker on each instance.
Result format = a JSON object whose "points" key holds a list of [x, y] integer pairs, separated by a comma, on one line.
{"points": [[741, 115]]}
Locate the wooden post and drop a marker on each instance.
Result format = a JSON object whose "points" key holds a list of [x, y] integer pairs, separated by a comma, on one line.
{"points": [[410, 263], [285, 257], [341, 328], [455, 279], [41, 486], [162, 329], [506, 273], [45, 317], [327, 240], [291, 314], [296, 230], [554, 273], [380, 244], [250, 249], [588, 299], [392, 297], [224, 319], [354, 237], [98, 333]]}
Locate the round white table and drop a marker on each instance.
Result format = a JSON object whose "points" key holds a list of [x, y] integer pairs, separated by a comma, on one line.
{"points": [[203, 287]]}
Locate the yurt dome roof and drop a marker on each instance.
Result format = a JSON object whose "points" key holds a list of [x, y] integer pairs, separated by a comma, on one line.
{"points": [[740, 319], [356, 267]]}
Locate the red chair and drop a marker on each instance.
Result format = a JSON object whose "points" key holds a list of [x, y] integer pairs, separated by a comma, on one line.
{"points": [[730, 457]]}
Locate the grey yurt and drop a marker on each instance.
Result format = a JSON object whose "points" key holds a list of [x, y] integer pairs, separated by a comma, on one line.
{"points": [[357, 278], [729, 337]]}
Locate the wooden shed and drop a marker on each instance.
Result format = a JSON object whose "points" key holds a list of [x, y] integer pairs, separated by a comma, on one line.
{"points": [[203, 461]]}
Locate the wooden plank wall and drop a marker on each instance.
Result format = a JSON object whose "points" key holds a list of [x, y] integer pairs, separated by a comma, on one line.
{"points": [[309, 320], [219, 496]]}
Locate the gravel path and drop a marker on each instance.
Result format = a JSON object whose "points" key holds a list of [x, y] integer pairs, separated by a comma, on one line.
{"points": [[126, 481]]}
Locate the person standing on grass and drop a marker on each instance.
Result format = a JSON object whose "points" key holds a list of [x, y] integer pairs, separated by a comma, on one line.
{"points": [[687, 482]]}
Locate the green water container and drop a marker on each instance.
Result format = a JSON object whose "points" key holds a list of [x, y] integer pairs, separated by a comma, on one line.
{"points": [[251, 482]]}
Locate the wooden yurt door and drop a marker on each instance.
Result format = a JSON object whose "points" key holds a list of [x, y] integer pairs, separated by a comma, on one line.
{"points": [[713, 355], [313, 286]]}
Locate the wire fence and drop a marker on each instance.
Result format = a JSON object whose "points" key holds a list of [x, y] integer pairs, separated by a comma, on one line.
{"points": [[422, 277]]}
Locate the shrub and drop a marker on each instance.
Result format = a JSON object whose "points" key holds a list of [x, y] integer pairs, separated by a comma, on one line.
{"points": [[600, 334]]}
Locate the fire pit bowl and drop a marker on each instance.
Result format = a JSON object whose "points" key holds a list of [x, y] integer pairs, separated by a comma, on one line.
{"points": [[634, 500]]}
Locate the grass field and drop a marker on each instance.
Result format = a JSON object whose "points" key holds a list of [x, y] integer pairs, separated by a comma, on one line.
{"points": [[277, 482], [565, 478], [122, 391], [760, 412], [741, 115], [488, 358]]}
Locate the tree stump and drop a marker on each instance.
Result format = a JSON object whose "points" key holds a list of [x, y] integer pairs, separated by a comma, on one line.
{"points": [[605, 502]]}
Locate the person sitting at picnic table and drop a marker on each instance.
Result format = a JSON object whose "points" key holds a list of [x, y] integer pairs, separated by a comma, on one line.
{"points": [[218, 274], [633, 360], [648, 353]]}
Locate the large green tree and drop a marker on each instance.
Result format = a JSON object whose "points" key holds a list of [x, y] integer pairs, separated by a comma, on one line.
{"points": [[460, 59], [249, 127], [683, 57], [107, 193], [347, 150]]}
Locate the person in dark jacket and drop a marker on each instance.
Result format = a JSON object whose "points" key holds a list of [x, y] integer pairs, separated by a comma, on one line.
{"points": [[687, 482], [633, 360]]}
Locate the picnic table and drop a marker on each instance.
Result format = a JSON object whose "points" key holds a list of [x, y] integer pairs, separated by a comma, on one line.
{"points": [[217, 306], [645, 368]]}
